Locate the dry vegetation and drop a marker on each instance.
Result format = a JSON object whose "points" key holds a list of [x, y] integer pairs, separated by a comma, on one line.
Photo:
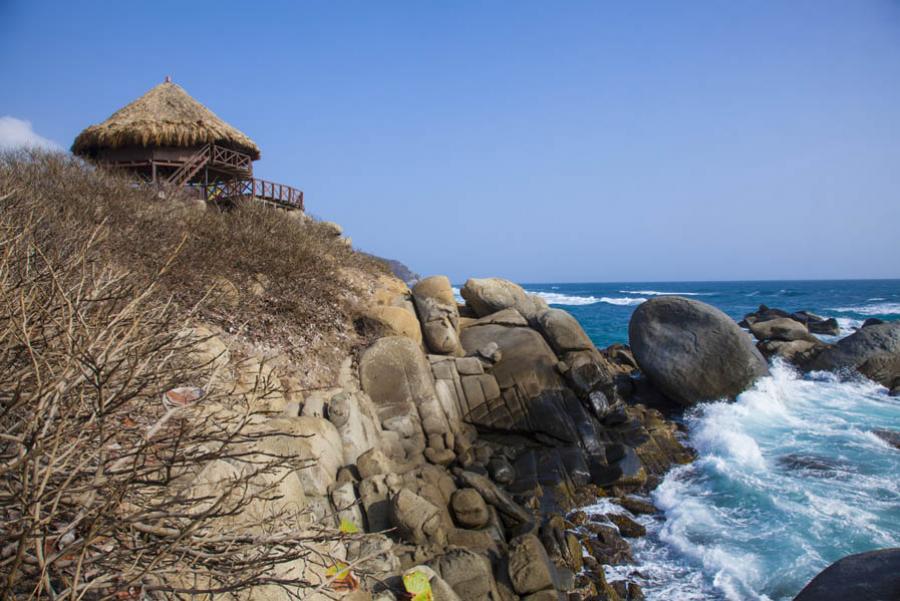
{"points": [[266, 278], [98, 280]]}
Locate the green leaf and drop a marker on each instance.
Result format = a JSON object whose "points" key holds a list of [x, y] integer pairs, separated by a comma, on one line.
{"points": [[418, 585], [348, 527]]}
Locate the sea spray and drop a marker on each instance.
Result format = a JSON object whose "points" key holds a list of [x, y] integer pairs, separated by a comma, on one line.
{"points": [[788, 478]]}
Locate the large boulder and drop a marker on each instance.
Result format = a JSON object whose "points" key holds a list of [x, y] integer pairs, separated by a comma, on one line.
{"points": [[873, 350], [439, 314], [489, 295], [692, 351], [873, 576], [563, 331], [530, 569], [397, 377], [395, 321]]}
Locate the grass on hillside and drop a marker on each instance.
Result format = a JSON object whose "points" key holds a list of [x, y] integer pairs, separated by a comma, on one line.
{"points": [[254, 271], [98, 279]]}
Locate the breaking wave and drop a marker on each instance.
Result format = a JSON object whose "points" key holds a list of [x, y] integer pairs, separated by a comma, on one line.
{"points": [[557, 298], [788, 479], [658, 293], [877, 309]]}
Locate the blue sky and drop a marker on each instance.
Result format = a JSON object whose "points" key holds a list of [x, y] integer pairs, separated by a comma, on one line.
{"points": [[539, 141]]}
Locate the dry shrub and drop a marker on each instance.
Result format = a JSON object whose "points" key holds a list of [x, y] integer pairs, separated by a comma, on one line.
{"points": [[275, 279], [97, 473]]}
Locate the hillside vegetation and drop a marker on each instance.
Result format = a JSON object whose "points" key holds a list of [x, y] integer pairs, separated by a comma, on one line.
{"points": [[103, 448]]}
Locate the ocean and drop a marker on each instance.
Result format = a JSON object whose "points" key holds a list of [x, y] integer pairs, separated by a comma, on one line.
{"points": [[788, 478]]}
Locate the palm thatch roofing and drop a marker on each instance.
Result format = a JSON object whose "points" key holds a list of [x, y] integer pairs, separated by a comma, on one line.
{"points": [[164, 116]]}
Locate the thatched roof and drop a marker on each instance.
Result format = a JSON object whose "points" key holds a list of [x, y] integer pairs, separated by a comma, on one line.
{"points": [[164, 116]]}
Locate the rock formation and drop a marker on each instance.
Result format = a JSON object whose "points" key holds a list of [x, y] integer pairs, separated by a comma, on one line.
{"points": [[691, 351]]}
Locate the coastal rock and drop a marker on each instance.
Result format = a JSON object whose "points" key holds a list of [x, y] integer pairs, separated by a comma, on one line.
{"points": [[311, 438], [563, 331], [692, 351], [489, 295], [417, 520], [395, 321], [873, 576], [874, 351], [530, 569], [798, 352], [437, 311], [397, 377], [469, 508], [468, 573], [781, 328], [440, 589]]}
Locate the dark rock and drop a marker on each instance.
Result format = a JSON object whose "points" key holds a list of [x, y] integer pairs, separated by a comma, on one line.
{"points": [[501, 470], [874, 351], [692, 351], [798, 352], [872, 321], [872, 576], [627, 526], [492, 495], [607, 546], [827, 327], [636, 506], [892, 437], [782, 328]]}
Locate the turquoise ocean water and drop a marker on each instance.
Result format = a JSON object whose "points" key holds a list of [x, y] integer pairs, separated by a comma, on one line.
{"points": [[789, 477]]}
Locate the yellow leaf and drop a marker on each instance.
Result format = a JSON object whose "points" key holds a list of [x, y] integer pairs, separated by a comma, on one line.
{"points": [[348, 527], [338, 570], [418, 585]]}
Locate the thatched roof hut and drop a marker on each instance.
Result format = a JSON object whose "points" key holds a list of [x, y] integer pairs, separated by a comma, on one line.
{"points": [[166, 116]]}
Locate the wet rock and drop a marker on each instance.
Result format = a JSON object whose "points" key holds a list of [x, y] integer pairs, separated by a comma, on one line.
{"points": [[872, 576], [607, 546], [692, 351], [636, 506], [627, 526], [874, 351], [892, 437]]}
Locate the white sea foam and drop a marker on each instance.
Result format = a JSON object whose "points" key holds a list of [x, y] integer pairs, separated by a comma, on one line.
{"points": [[457, 295], [876, 309], [658, 293], [558, 298], [788, 478]]}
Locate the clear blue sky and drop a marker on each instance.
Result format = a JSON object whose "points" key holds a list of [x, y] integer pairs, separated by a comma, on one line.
{"points": [[539, 141]]}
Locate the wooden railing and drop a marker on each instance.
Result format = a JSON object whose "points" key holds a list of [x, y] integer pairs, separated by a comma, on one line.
{"points": [[253, 188], [226, 157]]}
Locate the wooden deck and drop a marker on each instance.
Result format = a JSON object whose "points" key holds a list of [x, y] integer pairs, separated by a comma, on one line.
{"points": [[252, 188], [215, 174]]}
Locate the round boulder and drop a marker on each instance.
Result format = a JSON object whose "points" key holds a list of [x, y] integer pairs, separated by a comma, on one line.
{"points": [[691, 351], [873, 576]]}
